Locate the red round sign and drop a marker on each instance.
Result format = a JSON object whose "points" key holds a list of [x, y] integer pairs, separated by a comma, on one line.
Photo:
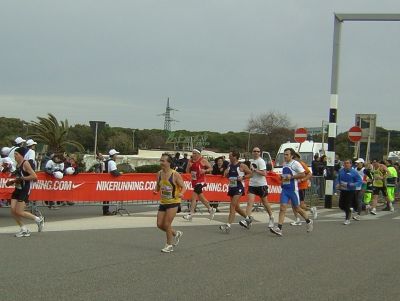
{"points": [[355, 134], [300, 135]]}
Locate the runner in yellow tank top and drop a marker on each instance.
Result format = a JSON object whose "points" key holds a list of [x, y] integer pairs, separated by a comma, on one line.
{"points": [[172, 188]]}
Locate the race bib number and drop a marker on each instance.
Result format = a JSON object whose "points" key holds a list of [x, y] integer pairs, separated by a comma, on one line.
{"points": [[285, 180], [166, 192], [233, 182], [194, 175]]}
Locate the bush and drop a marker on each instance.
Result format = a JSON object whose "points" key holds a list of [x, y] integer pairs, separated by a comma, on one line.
{"points": [[148, 168]]}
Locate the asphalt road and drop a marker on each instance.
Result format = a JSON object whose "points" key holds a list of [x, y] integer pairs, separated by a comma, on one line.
{"points": [[334, 262]]}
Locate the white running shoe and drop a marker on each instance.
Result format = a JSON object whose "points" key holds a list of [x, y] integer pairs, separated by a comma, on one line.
{"points": [[271, 222], [212, 212], [177, 237], [346, 222], [314, 212], [188, 217], [23, 233], [167, 249], [310, 226], [276, 231], [225, 228], [356, 217], [373, 211], [296, 223], [40, 224]]}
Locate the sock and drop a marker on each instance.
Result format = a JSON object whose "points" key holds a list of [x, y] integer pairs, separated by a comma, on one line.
{"points": [[228, 224], [280, 226], [24, 228], [308, 221], [37, 219], [298, 219]]}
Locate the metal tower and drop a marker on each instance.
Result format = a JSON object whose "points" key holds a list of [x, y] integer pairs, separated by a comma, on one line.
{"points": [[167, 117]]}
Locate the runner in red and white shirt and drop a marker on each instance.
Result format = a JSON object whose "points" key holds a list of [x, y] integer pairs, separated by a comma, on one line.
{"points": [[198, 167]]}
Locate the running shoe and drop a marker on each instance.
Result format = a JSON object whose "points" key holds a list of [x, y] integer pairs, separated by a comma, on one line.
{"points": [[188, 217], [271, 222], [225, 228], [40, 224], [296, 223], [276, 231], [310, 226], [373, 211], [391, 208], [356, 217], [167, 249], [23, 233], [212, 212], [314, 212], [346, 222], [246, 223], [177, 237]]}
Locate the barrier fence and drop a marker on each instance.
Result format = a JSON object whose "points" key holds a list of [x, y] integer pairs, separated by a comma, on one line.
{"points": [[95, 187]]}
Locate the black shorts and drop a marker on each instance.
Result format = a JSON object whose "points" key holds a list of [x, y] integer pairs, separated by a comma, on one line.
{"points": [[232, 191], [261, 191], [198, 188], [20, 195], [376, 191], [165, 207], [302, 195]]}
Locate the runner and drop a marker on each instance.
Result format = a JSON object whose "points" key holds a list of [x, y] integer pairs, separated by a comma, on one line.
{"points": [[348, 181], [379, 184], [391, 182], [304, 184], [172, 188], [25, 174], [360, 190], [198, 167], [257, 187], [236, 173], [291, 172]]}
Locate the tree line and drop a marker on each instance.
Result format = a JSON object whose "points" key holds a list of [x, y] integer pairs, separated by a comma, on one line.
{"points": [[267, 131]]}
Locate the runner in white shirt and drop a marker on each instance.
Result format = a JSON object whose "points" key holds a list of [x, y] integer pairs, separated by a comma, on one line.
{"points": [[257, 187]]}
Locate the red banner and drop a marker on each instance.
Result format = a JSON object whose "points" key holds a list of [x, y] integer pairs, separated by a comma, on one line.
{"points": [[95, 187]]}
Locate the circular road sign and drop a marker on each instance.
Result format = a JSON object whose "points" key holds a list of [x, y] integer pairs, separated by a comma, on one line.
{"points": [[355, 134], [300, 135]]}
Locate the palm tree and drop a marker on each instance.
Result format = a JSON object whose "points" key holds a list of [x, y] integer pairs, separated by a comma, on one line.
{"points": [[52, 133]]}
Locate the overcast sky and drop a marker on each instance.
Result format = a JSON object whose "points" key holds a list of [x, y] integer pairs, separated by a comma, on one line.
{"points": [[219, 61]]}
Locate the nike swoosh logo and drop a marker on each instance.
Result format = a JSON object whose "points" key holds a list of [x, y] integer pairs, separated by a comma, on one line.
{"points": [[77, 185]]}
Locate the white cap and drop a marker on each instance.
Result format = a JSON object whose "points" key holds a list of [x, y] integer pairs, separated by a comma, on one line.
{"points": [[360, 160], [113, 152], [19, 140], [196, 151], [58, 175], [30, 142], [5, 151]]}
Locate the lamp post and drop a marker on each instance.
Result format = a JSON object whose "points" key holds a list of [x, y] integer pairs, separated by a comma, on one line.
{"points": [[96, 127]]}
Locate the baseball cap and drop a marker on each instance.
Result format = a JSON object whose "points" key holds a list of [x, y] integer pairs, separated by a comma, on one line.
{"points": [[196, 151], [5, 151], [30, 142], [113, 152], [19, 140], [360, 160]]}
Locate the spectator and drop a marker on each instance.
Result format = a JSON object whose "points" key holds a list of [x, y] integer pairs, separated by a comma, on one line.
{"points": [[31, 154], [315, 165], [18, 142], [55, 168], [111, 168], [182, 163], [175, 161], [218, 169]]}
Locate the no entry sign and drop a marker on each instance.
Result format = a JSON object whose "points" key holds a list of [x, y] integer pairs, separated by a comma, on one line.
{"points": [[355, 134], [300, 135]]}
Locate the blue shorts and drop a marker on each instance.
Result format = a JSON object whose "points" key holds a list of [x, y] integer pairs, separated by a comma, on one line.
{"points": [[292, 196]]}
